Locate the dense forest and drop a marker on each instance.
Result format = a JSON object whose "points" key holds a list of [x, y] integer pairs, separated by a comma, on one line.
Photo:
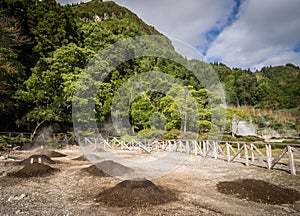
{"points": [[45, 46]]}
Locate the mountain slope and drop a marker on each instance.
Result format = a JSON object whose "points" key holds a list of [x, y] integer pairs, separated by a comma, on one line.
{"points": [[98, 11]]}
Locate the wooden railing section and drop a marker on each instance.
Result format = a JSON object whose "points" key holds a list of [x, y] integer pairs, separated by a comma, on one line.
{"points": [[271, 156]]}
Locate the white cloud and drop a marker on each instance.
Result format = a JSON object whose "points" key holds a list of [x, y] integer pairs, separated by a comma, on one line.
{"points": [[265, 32], [280, 59], [188, 21]]}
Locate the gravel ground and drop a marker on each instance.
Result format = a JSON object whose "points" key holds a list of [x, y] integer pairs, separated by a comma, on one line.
{"points": [[73, 191]]}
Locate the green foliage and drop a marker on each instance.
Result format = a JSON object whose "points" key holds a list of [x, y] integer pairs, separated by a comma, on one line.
{"points": [[229, 137], [38, 79], [141, 111], [112, 14], [279, 87], [234, 116], [172, 134], [151, 134], [240, 85], [3, 141], [50, 87], [186, 106], [157, 121], [51, 25], [12, 73], [272, 87]]}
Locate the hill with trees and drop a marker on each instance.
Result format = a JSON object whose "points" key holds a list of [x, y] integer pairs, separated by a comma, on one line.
{"points": [[45, 47]]}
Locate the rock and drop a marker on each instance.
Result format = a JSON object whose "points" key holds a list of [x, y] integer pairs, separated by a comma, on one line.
{"points": [[4, 157], [16, 198], [20, 197]]}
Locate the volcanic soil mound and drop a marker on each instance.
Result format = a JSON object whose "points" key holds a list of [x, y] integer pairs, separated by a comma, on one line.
{"points": [[53, 153], [81, 158], [108, 168], [35, 159], [95, 171], [99, 149], [258, 191], [34, 170], [135, 193]]}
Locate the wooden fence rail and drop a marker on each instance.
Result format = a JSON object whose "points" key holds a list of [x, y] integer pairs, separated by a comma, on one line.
{"points": [[259, 154]]}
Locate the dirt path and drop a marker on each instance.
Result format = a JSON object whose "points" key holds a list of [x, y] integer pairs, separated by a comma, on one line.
{"points": [[73, 192]]}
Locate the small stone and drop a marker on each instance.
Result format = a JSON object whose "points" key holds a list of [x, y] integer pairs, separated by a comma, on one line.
{"points": [[20, 197], [16, 198]]}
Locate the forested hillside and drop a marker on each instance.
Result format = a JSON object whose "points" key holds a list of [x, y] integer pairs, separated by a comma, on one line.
{"points": [[272, 87], [44, 48], [270, 96]]}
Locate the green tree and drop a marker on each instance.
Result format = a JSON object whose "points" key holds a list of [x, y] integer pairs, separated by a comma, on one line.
{"points": [[50, 88], [51, 26], [141, 111], [234, 117], [180, 109], [157, 121], [12, 72]]}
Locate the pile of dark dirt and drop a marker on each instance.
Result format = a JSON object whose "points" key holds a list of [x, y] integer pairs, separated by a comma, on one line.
{"points": [[108, 168], [114, 168], [95, 171], [35, 159], [135, 193], [99, 149], [34, 170], [52, 153], [81, 158], [258, 191]]}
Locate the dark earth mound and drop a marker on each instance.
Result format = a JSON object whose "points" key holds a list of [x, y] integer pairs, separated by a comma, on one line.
{"points": [[258, 191], [44, 159], [135, 193], [81, 158], [109, 168], [34, 170], [95, 171], [53, 153], [99, 149]]}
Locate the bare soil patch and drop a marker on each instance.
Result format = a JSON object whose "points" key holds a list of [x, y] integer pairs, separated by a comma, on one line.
{"points": [[34, 170], [193, 183], [35, 159], [135, 193], [258, 191]]}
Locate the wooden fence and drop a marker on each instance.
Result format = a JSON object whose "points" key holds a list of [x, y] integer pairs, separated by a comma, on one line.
{"points": [[271, 156], [62, 138], [285, 156]]}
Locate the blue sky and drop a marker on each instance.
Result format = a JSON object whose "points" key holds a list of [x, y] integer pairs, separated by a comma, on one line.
{"points": [[240, 33]]}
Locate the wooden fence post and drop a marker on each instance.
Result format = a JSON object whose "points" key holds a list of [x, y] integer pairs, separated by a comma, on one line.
{"points": [[196, 148], [204, 148], [228, 152], [269, 156], [215, 149], [252, 152], [246, 154], [291, 160], [238, 147]]}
